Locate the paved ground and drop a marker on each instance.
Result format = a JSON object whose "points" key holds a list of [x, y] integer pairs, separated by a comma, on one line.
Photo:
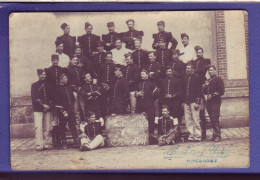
{"points": [[231, 152]]}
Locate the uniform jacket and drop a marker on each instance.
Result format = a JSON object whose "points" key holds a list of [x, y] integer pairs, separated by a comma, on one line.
{"points": [[120, 92], [216, 84], [52, 75], [92, 100], [87, 65], [128, 38], [164, 56], [75, 75], [68, 44], [93, 129], [179, 67], [88, 43], [201, 66], [97, 60], [132, 74], [157, 69], [168, 38], [41, 93], [140, 58], [165, 124], [192, 91], [64, 98], [108, 73], [110, 38]]}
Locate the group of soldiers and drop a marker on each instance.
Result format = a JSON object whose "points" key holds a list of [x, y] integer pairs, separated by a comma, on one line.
{"points": [[100, 76]]}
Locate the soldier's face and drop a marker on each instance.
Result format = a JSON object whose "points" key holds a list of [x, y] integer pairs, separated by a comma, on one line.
{"points": [[60, 48], [165, 112], [78, 51], [89, 29], [151, 57], [129, 60], [111, 28], [74, 61], [92, 118], [118, 44], [42, 76], [212, 71], [55, 62], [144, 75], [189, 70], [162, 44], [130, 25], [199, 53], [175, 56], [117, 72], [137, 44], [100, 49], [109, 58], [161, 27], [64, 80], [66, 30], [169, 72], [185, 41], [88, 78]]}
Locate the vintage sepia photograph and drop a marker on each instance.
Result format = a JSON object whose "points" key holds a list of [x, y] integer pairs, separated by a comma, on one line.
{"points": [[129, 90]]}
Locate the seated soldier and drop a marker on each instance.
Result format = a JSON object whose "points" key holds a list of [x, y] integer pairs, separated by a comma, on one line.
{"points": [[167, 128], [91, 137]]}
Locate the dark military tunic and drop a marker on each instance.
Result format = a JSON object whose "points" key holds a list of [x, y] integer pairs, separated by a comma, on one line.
{"points": [[87, 65], [179, 67], [108, 73], [165, 124], [201, 66], [192, 91], [132, 74], [75, 75], [119, 96], [41, 94], [93, 129], [140, 58], [88, 43], [64, 98], [110, 38], [68, 44], [168, 38], [164, 57], [97, 61], [52, 75], [128, 38], [157, 69]]}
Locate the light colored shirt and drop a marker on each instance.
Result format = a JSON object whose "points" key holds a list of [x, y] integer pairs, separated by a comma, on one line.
{"points": [[64, 60], [118, 55], [188, 53]]}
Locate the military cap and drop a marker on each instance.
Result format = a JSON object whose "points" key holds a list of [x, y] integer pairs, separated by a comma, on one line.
{"points": [[108, 52], [152, 52], [100, 43], [160, 39], [184, 35], [127, 55], [160, 23], [130, 20], [145, 70], [118, 39], [87, 24], [78, 46], [64, 25], [198, 48], [57, 43], [54, 56], [74, 55], [168, 67], [62, 75], [138, 39], [110, 24], [118, 66], [176, 51], [40, 71]]}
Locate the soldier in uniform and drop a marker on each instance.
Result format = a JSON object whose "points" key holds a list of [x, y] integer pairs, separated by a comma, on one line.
{"points": [[131, 74], [187, 51], [42, 103], [214, 89], [163, 55], [178, 66], [109, 39], [139, 55], [192, 97], [201, 66], [166, 35], [88, 41], [130, 36], [120, 94], [146, 92], [64, 101], [67, 40], [64, 59], [171, 91]]}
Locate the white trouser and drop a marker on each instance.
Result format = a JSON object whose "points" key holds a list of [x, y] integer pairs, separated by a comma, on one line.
{"points": [[192, 120], [79, 103], [42, 122], [98, 141], [132, 102]]}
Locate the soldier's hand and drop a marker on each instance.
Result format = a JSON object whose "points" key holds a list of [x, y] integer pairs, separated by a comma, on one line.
{"points": [[206, 83], [108, 44], [209, 97], [65, 114], [168, 96], [182, 105], [196, 107], [47, 107]]}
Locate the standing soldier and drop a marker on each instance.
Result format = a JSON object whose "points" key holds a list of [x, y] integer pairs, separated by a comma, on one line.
{"points": [[187, 51], [109, 39], [64, 59], [130, 36], [139, 55], [64, 101], [192, 98], [201, 66], [67, 40], [179, 67], [119, 93], [166, 35], [163, 55], [146, 92], [214, 89], [88, 41], [131, 74], [41, 101], [171, 91]]}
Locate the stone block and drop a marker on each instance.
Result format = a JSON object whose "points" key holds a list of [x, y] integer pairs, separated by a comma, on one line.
{"points": [[17, 131], [21, 114], [29, 131]]}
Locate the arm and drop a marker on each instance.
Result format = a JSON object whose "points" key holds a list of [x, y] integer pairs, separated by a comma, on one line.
{"points": [[220, 88]]}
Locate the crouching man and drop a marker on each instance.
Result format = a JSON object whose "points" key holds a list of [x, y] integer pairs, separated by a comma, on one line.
{"points": [[91, 137]]}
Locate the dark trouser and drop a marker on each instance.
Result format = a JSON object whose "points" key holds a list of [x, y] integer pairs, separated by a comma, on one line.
{"points": [[203, 119], [150, 115], [117, 106], [104, 103], [72, 125], [214, 113]]}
